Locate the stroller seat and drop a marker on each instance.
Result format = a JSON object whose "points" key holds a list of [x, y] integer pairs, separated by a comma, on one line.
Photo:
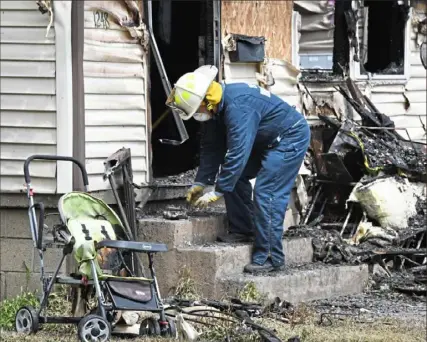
{"points": [[86, 233], [94, 227], [108, 263]]}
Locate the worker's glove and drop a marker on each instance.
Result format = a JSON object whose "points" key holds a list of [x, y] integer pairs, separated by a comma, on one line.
{"points": [[195, 192], [210, 197]]}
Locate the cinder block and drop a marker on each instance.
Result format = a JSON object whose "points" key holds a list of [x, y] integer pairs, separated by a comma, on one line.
{"points": [[302, 285], [14, 222], [51, 258], [207, 264], [195, 230], [18, 282], [2, 286], [15, 253]]}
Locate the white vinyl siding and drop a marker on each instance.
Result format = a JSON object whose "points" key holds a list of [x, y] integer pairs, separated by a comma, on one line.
{"points": [[28, 96], [115, 77]]}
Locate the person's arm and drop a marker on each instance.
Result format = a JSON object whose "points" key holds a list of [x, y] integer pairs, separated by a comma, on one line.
{"points": [[212, 150], [242, 125]]}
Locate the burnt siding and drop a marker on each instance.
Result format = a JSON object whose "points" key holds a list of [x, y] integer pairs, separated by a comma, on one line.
{"points": [[115, 78]]}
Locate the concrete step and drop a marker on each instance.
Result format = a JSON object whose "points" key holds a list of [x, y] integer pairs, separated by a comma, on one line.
{"points": [[195, 230], [301, 284], [208, 263]]}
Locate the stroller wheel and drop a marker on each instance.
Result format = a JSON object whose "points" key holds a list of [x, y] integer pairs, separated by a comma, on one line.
{"points": [[26, 320], [93, 328], [150, 327], [171, 329]]}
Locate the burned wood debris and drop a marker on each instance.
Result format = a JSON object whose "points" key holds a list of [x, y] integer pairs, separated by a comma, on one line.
{"points": [[240, 320], [368, 196]]}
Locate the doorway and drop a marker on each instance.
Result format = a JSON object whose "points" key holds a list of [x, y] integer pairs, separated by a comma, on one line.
{"points": [[183, 31]]}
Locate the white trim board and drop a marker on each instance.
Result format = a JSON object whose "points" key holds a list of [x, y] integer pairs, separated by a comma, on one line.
{"points": [[64, 94], [355, 66]]}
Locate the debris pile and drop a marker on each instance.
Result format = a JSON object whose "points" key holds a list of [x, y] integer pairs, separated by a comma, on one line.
{"points": [[185, 178], [239, 319], [368, 197]]}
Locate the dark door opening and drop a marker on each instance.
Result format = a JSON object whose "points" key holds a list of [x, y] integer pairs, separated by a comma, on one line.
{"points": [[183, 31], [385, 50]]}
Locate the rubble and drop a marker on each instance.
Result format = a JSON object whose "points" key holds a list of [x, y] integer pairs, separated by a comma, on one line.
{"points": [[368, 198], [239, 317], [186, 178]]}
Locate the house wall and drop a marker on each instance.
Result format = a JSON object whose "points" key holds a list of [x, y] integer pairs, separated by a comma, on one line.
{"points": [[392, 97], [28, 96], [389, 96], [260, 18], [33, 120], [317, 26], [115, 82]]}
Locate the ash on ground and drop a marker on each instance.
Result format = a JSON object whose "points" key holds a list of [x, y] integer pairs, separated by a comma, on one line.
{"points": [[375, 304], [183, 178]]}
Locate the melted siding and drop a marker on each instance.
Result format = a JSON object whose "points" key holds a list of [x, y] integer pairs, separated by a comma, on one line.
{"points": [[391, 99], [115, 94], [388, 96], [28, 96], [317, 26]]}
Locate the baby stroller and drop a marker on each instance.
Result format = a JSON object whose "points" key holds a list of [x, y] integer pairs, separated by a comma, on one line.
{"points": [[91, 232]]}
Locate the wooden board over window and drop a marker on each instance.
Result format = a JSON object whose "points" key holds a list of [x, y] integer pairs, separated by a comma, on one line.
{"points": [[271, 19]]}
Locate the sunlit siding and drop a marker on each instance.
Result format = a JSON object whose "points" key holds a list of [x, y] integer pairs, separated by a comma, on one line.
{"points": [[28, 96]]}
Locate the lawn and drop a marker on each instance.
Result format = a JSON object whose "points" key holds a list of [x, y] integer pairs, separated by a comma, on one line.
{"points": [[348, 330]]}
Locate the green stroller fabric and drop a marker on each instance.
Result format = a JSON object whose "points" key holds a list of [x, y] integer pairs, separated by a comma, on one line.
{"points": [[89, 220]]}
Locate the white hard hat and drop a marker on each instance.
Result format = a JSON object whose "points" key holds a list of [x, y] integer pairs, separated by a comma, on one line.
{"points": [[190, 90]]}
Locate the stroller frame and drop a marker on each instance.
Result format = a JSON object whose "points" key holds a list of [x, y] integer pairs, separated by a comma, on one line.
{"points": [[28, 319]]}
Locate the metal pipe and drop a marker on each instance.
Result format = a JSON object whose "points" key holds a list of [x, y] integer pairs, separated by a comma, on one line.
{"points": [[346, 219], [314, 203], [46, 293], [99, 295], [183, 134], [156, 285], [128, 231]]}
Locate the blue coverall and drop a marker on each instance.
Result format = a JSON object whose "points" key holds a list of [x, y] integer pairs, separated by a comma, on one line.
{"points": [[264, 137]]}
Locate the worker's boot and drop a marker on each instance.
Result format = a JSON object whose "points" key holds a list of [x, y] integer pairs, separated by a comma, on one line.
{"points": [[235, 238], [260, 269]]}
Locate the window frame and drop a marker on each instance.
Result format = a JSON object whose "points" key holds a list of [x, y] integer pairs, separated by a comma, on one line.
{"points": [[355, 73]]}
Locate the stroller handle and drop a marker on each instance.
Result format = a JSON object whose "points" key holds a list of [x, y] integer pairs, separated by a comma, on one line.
{"points": [[47, 157]]}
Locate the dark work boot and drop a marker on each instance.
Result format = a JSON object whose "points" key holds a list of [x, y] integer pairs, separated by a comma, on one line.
{"points": [[235, 238], [260, 269]]}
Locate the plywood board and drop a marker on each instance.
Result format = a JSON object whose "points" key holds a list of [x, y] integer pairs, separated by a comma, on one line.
{"points": [[271, 19]]}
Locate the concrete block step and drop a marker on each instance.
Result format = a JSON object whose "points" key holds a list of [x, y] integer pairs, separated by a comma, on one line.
{"points": [[207, 263], [195, 230], [302, 284]]}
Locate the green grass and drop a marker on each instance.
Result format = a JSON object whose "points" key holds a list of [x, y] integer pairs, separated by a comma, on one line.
{"points": [[9, 307], [59, 304]]}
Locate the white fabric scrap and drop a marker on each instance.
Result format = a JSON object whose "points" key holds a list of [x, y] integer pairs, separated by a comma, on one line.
{"points": [[389, 201]]}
